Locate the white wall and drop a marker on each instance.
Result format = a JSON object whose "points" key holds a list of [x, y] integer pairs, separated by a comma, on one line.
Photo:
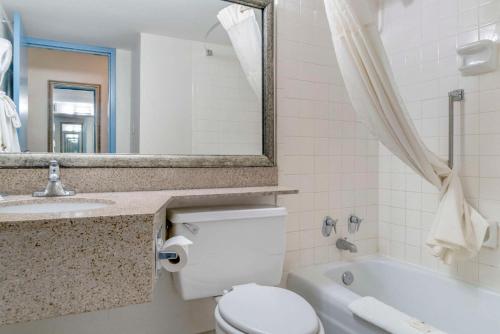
{"points": [[123, 100], [135, 95], [420, 37], [165, 88]]}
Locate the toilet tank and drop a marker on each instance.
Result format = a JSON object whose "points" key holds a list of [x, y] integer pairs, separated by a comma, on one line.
{"points": [[231, 246]]}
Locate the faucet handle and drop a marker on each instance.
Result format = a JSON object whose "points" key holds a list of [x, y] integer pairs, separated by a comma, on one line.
{"points": [[328, 224], [353, 224], [54, 172]]}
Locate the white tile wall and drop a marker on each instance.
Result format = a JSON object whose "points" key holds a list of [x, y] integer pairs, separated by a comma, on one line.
{"points": [[420, 37], [207, 102], [227, 115], [322, 149]]}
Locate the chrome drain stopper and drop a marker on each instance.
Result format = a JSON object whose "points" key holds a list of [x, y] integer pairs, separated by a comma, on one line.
{"points": [[347, 278]]}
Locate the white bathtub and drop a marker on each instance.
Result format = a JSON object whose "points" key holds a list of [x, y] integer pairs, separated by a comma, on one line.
{"points": [[452, 306]]}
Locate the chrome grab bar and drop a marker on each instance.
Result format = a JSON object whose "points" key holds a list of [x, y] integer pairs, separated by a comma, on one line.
{"points": [[457, 95]]}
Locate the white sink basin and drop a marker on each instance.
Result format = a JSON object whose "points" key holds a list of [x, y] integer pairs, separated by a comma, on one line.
{"points": [[52, 206]]}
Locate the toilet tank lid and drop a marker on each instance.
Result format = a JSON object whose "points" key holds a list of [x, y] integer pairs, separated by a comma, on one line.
{"points": [[221, 213]]}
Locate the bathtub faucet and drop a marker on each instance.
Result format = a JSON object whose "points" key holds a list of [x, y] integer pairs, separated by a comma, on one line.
{"points": [[343, 244]]}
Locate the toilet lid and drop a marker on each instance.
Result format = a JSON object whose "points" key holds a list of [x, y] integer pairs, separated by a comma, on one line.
{"points": [[256, 309]]}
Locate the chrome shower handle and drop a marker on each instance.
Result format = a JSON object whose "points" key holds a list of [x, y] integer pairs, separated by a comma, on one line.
{"points": [[328, 224], [353, 224]]}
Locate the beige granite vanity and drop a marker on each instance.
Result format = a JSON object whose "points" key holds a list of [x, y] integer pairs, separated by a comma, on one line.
{"points": [[74, 262]]}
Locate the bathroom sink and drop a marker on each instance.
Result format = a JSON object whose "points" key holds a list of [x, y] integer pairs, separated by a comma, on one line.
{"points": [[52, 206]]}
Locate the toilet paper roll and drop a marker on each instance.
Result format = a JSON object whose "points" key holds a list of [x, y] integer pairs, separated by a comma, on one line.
{"points": [[178, 244]]}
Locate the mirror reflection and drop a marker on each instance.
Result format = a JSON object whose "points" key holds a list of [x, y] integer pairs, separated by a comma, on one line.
{"points": [[74, 118], [151, 77]]}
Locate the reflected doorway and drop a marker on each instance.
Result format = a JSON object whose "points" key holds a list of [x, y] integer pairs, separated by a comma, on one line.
{"points": [[74, 117]]}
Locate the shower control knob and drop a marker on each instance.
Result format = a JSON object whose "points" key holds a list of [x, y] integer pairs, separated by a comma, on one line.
{"points": [[328, 224], [353, 224]]}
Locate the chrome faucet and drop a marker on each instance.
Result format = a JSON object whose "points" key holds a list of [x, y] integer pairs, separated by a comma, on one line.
{"points": [[343, 244], [54, 188]]}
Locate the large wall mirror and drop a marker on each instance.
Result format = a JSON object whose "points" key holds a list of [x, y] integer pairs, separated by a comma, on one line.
{"points": [[140, 83]]}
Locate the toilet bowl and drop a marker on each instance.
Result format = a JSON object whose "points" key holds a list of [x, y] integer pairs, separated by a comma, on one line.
{"points": [[257, 309]]}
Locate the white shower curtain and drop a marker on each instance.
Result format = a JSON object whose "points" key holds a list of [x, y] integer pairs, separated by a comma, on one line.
{"points": [[458, 231], [245, 35]]}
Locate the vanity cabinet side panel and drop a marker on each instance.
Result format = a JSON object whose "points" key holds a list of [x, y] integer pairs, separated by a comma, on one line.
{"points": [[67, 266]]}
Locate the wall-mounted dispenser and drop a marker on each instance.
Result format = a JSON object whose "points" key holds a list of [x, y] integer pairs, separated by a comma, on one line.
{"points": [[478, 57]]}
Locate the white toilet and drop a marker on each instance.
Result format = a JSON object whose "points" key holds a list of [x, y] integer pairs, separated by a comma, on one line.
{"points": [[238, 254]]}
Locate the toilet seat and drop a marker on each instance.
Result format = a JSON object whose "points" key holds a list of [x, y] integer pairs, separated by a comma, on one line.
{"points": [[255, 309]]}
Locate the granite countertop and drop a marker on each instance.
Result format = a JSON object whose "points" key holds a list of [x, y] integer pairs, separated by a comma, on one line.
{"points": [[128, 203], [62, 263]]}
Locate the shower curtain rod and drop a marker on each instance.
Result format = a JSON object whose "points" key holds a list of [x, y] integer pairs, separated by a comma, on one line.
{"points": [[215, 25], [212, 28]]}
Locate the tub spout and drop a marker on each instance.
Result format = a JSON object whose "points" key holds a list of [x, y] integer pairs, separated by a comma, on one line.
{"points": [[343, 244]]}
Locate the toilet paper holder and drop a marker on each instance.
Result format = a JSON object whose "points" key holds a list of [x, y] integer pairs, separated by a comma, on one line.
{"points": [[161, 254], [164, 255], [160, 240], [171, 254]]}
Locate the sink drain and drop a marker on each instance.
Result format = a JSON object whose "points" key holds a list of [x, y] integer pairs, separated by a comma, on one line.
{"points": [[347, 278]]}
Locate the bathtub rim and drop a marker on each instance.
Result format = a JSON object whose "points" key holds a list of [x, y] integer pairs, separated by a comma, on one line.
{"points": [[320, 269]]}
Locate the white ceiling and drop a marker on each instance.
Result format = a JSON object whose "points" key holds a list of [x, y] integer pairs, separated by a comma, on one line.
{"points": [[116, 23]]}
